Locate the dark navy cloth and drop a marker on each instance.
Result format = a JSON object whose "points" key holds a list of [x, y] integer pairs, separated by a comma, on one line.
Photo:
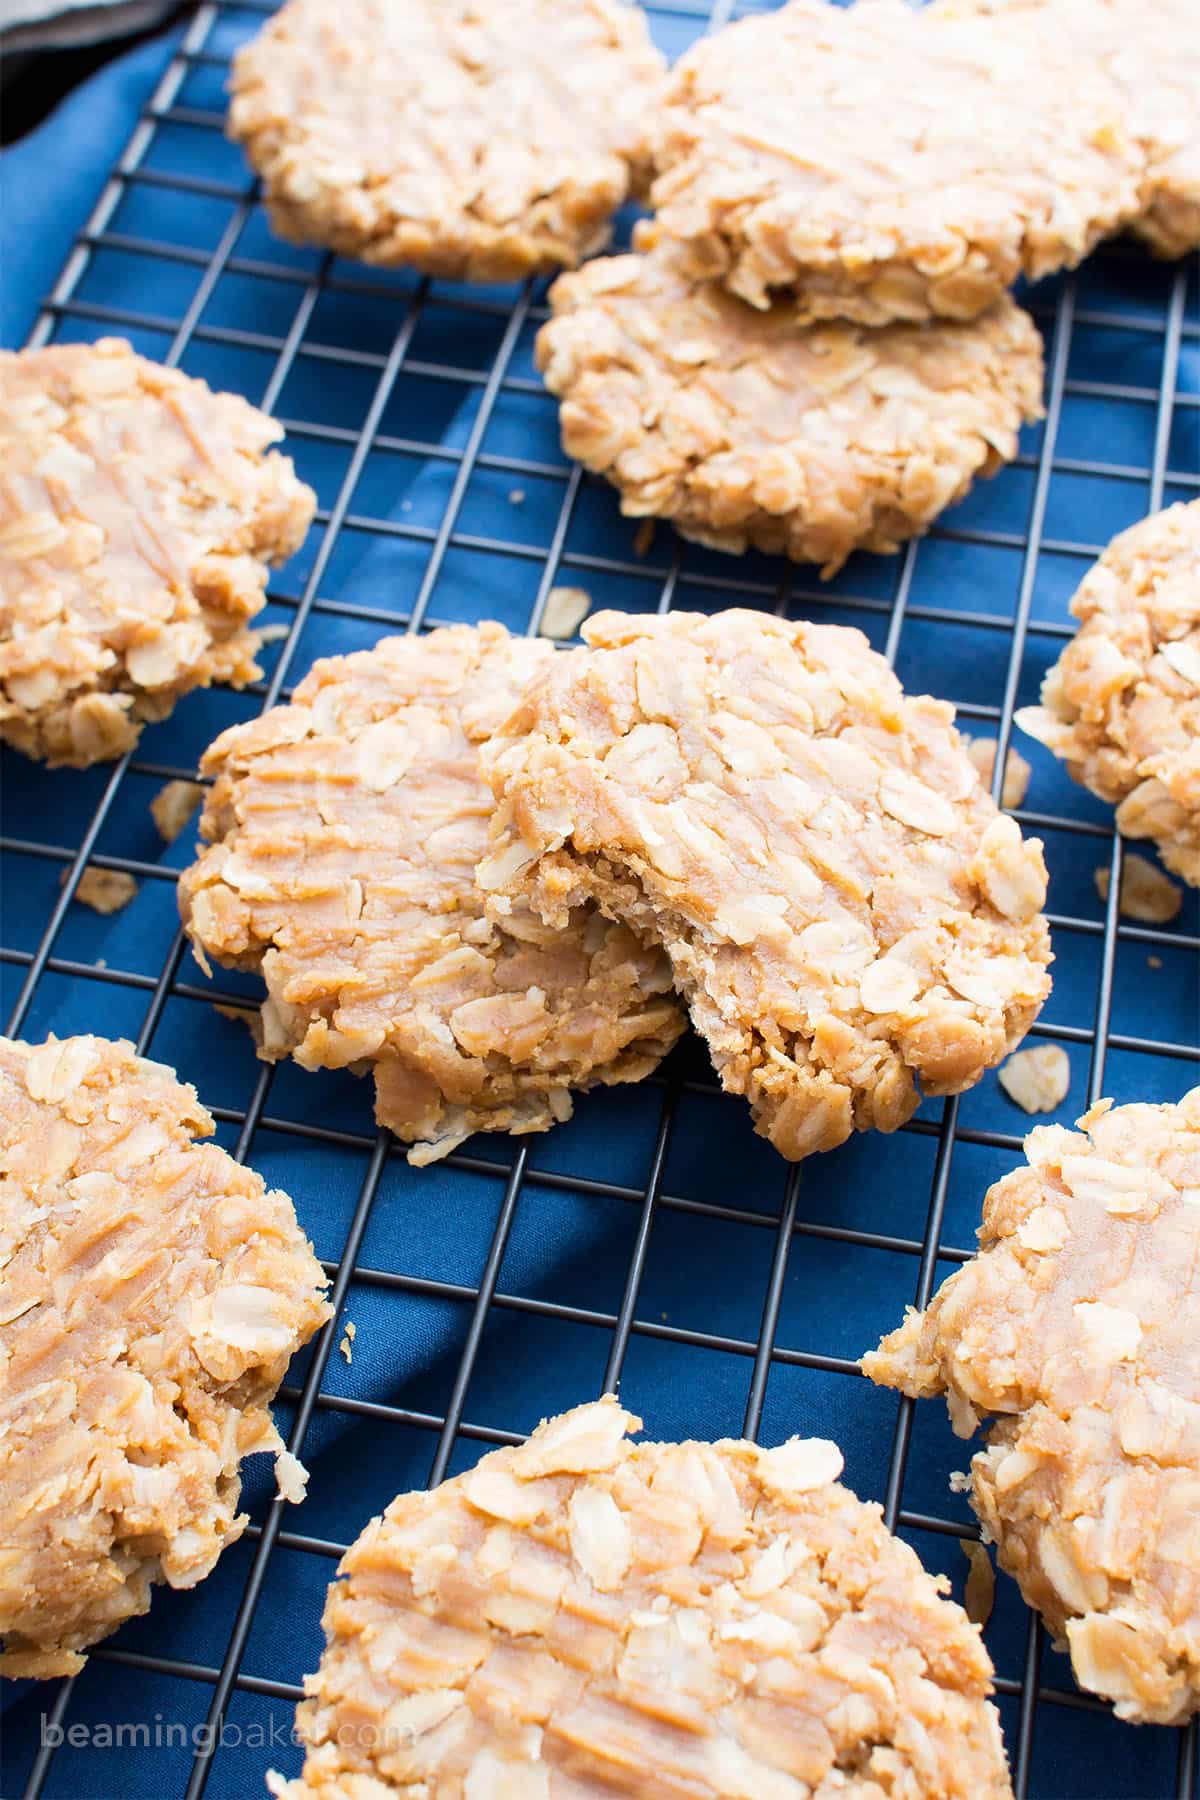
{"points": [[705, 1275]]}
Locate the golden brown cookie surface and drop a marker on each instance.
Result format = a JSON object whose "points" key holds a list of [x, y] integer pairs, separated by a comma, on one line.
{"points": [[1121, 706], [745, 430]]}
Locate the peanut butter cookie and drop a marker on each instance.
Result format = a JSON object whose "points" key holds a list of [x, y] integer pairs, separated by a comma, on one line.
{"points": [[846, 912], [476, 139], [344, 833], [138, 513], [1077, 1326], [584, 1616], [1121, 706], [151, 1294], [882, 162], [745, 430]]}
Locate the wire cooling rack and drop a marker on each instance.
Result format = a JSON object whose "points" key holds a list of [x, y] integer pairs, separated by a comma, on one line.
{"points": [[654, 1241]]}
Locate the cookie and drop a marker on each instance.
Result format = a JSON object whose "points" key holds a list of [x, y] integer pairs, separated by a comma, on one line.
{"points": [[879, 162], [138, 514], [479, 142], [584, 1616], [745, 430], [344, 833], [845, 910], [1077, 1327], [1152, 55], [1121, 706], [151, 1293]]}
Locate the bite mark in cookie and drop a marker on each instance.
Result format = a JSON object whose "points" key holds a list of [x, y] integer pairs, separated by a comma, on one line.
{"points": [[847, 913]]}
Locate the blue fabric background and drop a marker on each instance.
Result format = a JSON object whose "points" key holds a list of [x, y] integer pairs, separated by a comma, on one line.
{"points": [[568, 1246]]}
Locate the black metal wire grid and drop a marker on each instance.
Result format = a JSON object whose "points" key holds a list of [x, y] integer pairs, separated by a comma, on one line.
{"points": [[1035, 1701]]}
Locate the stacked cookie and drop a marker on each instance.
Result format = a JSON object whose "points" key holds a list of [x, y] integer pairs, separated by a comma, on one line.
{"points": [[484, 869], [814, 350]]}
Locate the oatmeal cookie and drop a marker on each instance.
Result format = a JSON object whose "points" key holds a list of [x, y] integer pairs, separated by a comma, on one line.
{"points": [[477, 141], [744, 430], [1152, 55], [151, 1294], [845, 910], [1121, 706], [344, 833], [585, 1616], [138, 513], [880, 162], [1077, 1325]]}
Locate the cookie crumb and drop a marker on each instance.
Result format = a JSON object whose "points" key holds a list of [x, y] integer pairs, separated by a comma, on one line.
{"points": [[644, 537], [1154, 962], [1146, 893], [291, 1477], [979, 1592], [348, 1336], [173, 806], [1037, 1080], [516, 496], [565, 610], [104, 890], [982, 752]]}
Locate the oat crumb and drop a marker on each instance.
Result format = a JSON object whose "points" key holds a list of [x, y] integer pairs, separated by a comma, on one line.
{"points": [[173, 806], [1146, 893], [565, 610], [982, 752], [979, 1593], [1038, 1080], [644, 539], [104, 890]]}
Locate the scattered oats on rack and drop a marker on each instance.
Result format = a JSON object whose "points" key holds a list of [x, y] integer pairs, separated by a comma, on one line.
{"points": [[152, 1292], [474, 142], [138, 515], [1121, 706], [747, 432], [1077, 1328], [847, 913], [586, 1616], [344, 833], [1146, 893]]}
